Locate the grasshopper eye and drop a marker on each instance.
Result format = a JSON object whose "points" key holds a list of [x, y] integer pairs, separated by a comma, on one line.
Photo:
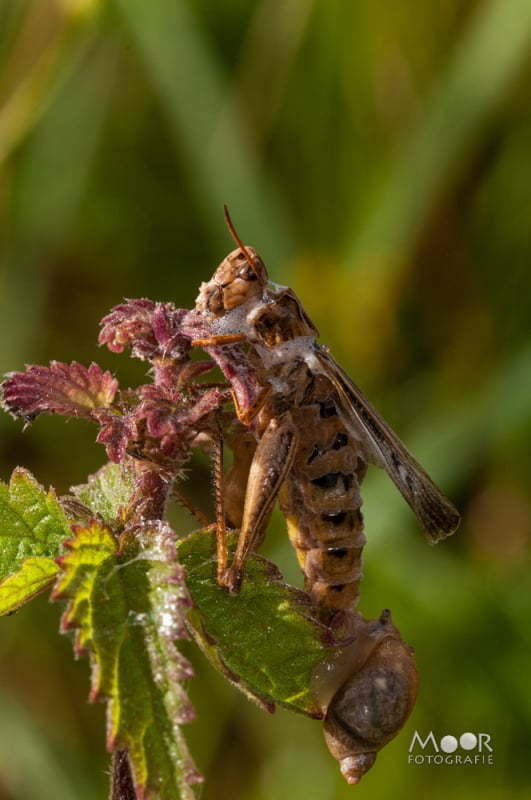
{"points": [[247, 274]]}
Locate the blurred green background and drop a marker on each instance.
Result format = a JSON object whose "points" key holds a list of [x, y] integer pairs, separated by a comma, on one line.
{"points": [[378, 156]]}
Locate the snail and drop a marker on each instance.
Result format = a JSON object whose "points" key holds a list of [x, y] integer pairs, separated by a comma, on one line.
{"points": [[368, 691]]}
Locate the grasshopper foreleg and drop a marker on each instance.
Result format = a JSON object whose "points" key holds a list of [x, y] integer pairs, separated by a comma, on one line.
{"points": [[221, 530]]}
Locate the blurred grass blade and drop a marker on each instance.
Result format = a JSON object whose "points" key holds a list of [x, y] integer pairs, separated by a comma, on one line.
{"points": [[76, 117], [486, 61], [52, 176], [208, 134], [30, 764], [57, 48], [274, 38], [453, 446]]}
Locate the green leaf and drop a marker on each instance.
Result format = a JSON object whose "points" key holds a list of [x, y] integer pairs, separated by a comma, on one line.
{"points": [[126, 601], [264, 639], [32, 530], [108, 491], [34, 576]]}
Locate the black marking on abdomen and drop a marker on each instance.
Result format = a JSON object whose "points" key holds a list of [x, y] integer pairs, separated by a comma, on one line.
{"points": [[340, 441], [337, 518], [327, 481], [338, 552]]}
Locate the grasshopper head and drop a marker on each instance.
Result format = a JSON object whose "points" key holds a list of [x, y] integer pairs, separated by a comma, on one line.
{"points": [[240, 277]]}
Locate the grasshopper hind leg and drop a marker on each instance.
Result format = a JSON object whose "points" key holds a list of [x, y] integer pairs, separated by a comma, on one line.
{"points": [[267, 467]]}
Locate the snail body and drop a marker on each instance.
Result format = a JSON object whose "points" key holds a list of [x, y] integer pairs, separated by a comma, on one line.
{"points": [[372, 701]]}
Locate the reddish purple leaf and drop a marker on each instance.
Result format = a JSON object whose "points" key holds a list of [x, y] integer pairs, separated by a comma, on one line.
{"points": [[69, 389], [117, 432], [149, 329], [125, 323]]}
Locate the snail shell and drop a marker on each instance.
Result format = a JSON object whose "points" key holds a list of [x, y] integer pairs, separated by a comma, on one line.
{"points": [[374, 701]]}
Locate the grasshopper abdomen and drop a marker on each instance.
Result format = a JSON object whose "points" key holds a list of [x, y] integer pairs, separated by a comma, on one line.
{"points": [[321, 503]]}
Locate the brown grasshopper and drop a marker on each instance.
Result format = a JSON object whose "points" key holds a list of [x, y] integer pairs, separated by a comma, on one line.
{"points": [[312, 434], [315, 433]]}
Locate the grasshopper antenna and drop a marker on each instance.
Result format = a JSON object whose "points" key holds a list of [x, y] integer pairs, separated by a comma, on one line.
{"points": [[240, 244]]}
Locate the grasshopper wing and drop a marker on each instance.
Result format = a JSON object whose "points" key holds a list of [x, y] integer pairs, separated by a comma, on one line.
{"points": [[382, 447]]}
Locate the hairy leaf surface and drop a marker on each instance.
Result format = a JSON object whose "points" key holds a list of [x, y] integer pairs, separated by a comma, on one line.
{"points": [[126, 602], [32, 530], [263, 639], [107, 493]]}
